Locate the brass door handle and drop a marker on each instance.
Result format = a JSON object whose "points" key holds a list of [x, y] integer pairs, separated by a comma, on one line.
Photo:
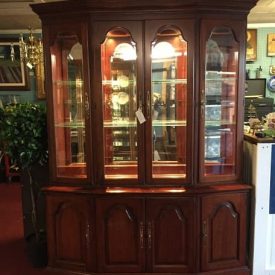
{"points": [[87, 106], [141, 234], [202, 103], [204, 232], [149, 233], [148, 102]]}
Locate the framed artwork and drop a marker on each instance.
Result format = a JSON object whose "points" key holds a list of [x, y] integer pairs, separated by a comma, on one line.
{"points": [[40, 81], [271, 44], [251, 45], [13, 73]]}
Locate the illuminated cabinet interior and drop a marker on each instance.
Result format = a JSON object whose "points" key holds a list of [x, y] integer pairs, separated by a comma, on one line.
{"points": [[145, 108]]}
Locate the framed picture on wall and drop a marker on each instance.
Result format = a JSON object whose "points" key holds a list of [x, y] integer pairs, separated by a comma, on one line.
{"points": [[13, 73], [271, 44], [251, 45]]}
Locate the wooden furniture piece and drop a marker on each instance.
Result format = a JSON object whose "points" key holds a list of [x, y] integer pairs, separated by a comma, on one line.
{"points": [[145, 113]]}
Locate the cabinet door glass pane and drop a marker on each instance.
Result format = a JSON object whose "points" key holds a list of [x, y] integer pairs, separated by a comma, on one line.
{"points": [[68, 106], [118, 63], [168, 104], [221, 74]]}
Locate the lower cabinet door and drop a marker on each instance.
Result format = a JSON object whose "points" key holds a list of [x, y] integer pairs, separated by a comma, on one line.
{"points": [[120, 234], [170, 234], [224, 227], [69, 227]]}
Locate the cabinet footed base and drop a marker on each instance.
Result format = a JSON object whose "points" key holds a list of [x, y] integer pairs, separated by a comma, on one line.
{"points": [[237, 271]]}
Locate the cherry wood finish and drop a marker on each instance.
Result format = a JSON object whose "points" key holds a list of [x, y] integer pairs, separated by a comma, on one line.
{"points": [[223, 231], [147, 230], [71, 232], [90, 22], [195, 223], [170, 234], [135, 233], [120, 235]]}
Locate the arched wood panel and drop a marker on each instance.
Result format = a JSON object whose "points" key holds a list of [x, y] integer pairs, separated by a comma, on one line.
{"points": [[119, 234], [69, 233], [170, 229], [223, 231]]}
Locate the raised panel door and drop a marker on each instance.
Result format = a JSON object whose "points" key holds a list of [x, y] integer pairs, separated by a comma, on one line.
{"points": [[170, 234], [69, 233], [223, 231], [120, 235]]}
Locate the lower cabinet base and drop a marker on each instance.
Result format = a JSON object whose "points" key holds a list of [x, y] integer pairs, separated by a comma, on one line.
{"points": [[160, 233], [240, 271]]}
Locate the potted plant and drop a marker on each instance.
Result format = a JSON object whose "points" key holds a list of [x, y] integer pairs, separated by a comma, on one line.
{"points": [[24, 140]]}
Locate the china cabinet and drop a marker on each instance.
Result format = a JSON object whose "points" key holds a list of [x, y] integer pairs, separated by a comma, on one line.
{"points": [[145, 106]]}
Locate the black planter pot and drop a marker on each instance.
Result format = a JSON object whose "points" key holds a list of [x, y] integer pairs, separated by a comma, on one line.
{"points": [[37, 252]]}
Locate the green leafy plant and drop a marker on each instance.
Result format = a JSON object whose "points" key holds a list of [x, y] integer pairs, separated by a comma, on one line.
{"points": [[24, 139]]}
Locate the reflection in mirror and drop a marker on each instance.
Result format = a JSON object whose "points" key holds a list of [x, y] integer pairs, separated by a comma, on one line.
{"points": [[220, 102], [75, 101], [68, 94], [168, 103], [118, 64]]}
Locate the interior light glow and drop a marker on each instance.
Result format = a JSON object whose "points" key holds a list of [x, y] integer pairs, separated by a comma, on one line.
{"points": [[125, 51], [164, 50]]}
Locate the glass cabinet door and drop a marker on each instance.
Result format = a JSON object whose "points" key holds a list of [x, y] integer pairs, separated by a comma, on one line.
{"points": [[68, 106], [219, 104], [119, 89], [168, 104]]}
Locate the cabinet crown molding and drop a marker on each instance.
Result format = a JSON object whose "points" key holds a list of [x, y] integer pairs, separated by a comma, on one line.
{"points": [[243, 6]]}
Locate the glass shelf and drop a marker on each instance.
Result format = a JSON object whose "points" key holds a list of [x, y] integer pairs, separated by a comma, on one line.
{"points": [[120, 123], [170, 81], [78, 82], [173, 123], [116, 83], [219, 73], [72, 124], [218, 123]]}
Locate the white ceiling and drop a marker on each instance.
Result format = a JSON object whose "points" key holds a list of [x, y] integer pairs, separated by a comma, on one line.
{"points": [[263, 12], [17, 15]]}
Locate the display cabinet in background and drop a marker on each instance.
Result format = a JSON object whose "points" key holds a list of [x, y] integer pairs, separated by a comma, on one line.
{"points": [[145, 113]]}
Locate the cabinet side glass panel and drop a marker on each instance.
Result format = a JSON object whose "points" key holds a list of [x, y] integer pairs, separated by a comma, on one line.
{"points": [[68, 106], [118, 65], [169, 104], [220, 102]]}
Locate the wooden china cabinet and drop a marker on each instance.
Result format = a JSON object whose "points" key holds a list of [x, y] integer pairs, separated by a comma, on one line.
{"points": [[145, 107]]}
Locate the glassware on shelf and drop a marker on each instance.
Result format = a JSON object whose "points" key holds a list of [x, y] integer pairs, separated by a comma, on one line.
{"points": [[219, 102], [119, 69]]}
